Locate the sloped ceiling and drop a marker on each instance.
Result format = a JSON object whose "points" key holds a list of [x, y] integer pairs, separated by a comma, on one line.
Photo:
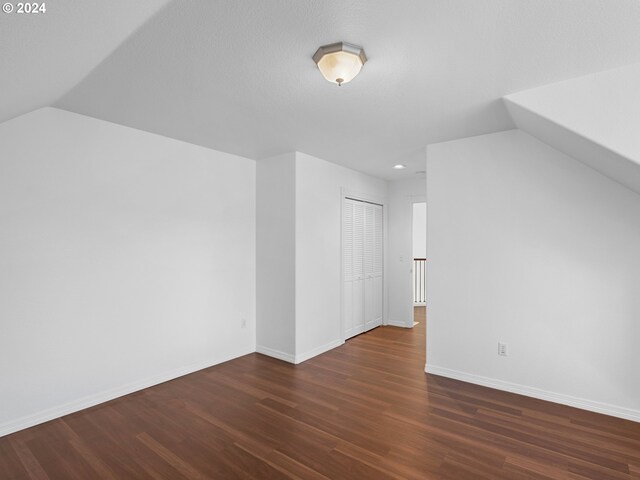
{"points": [[594, 118], [44, 55], [237, 75]]}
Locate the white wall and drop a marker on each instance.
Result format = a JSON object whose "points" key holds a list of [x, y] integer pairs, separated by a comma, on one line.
{"points": [[276, 256], [319, 185], [402, 195], [533, 248], [126, 259], [419, 230], [300, 252]]}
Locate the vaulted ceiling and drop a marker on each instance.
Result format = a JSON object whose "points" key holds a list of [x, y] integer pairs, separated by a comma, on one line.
{"points": [[594, 119], [43, 56], [237, 76]]}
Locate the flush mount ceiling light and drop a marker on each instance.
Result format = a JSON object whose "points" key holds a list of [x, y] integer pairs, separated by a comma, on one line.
{"points": [[340, 62], [399, 167]]}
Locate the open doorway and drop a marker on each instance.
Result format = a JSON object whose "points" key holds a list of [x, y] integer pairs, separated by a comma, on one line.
{"points": [[419, 269]]}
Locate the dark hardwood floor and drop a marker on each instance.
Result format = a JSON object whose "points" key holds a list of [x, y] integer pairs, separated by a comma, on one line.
{"points": [[365, 410]]}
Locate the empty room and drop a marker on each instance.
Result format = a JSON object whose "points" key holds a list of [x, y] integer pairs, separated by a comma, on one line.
{"points": [[320, 239]]}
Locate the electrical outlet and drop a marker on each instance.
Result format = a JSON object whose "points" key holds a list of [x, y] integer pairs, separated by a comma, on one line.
{"points": [[502, 349], [243, 323]]}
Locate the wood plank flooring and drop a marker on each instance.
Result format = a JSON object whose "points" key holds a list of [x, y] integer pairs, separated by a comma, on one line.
{"points": [[365, 410]]}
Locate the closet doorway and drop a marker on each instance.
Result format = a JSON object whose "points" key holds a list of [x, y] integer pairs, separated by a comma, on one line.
{"points": [[362, 266]]}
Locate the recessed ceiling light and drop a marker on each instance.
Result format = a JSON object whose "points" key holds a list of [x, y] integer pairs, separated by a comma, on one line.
{"points": [[399, 166], [340, 62]]}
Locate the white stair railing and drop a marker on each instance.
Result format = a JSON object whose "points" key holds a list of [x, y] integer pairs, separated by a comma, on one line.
{"points": [[419, 280]]}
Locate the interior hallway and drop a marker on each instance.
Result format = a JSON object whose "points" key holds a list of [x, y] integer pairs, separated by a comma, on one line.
{"points": [[365, 410]]}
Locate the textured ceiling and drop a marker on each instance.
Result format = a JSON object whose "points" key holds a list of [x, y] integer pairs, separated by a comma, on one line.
{"points": [[44, 55], [237, 75]]}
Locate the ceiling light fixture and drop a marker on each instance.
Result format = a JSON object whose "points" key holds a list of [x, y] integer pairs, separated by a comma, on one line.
{"points": [[340, 62], [399, 167]]}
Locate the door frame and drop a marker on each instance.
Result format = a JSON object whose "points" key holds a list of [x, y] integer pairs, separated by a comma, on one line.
{"points": [[412, 201], [378, 200]]}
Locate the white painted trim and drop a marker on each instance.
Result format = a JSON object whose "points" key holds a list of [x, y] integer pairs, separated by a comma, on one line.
{"points": [[364, 197], [582, 403], [92, 400], [270, 352], [393, 323], [318, 350]]}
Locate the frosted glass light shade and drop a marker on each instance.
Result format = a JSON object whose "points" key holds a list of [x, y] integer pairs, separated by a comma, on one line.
{"points": [[340, 62]]}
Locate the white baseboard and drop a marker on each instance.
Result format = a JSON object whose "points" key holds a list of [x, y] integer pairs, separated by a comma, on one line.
{"points": [[584, 404], [317, 351], [393, 323], [92, 400], [287, 357], [270, 352]]}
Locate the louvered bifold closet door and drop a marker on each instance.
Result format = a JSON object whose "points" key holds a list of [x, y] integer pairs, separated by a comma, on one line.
{"points": [[347, 268], [357, 301], [369, 247], [378, 262], [362, 266]]}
